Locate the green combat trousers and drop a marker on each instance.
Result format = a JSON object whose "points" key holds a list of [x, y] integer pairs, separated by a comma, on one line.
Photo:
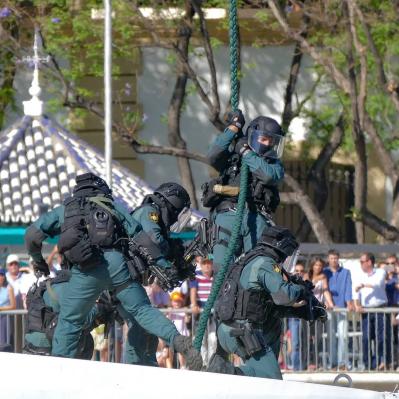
{"points": [[84, 288]]}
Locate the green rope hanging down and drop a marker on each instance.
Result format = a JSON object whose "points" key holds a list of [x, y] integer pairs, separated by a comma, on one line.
{"points": [[231, 249]]}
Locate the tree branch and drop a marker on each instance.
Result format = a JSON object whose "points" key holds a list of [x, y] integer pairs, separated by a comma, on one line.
{"points": [[361, 51], [134, 143], [288, 113], [382, 79], [209, 56], [342, 82], [389, 232], [173, 151], [302, 199], [325, 62], [177, 101]]}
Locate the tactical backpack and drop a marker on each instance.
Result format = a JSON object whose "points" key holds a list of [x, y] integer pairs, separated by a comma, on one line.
{"points": [[236, 303], [92, 219]]}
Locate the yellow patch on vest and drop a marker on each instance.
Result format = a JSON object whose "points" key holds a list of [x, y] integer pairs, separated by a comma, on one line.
{"points": [[276, 268], [154, 217]]}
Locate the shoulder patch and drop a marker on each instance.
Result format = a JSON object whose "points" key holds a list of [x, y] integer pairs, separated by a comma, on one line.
{"points": [[276, 268], [154, 217]]}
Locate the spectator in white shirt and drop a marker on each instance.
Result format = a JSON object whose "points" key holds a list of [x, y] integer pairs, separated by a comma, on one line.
{"points": [[15, 278], [370, 293]]}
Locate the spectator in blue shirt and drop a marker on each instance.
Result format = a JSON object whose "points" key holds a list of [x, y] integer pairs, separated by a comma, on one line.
{"points": [[340, 285], [392, 283]]}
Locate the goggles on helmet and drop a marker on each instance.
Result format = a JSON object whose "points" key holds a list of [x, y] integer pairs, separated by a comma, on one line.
{"points": [[290, 262], [182, 220], [263, 143]]}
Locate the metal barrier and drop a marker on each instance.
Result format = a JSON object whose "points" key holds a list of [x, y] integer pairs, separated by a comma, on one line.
{"points": [[348, 341], [12, 330]]}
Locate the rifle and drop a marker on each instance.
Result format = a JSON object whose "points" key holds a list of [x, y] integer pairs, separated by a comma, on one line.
{"points": [[181, 257], [314, 309], [200, 246]]}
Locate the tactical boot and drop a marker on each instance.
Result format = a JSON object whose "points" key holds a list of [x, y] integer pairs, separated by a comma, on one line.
{"points": [[184, 346], [219, 365]]}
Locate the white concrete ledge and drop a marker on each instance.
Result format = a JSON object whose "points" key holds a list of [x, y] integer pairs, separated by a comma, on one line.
{"points": [[380, 381], [36, 377]]}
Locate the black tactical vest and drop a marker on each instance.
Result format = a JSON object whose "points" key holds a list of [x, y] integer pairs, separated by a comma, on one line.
{"points": [[259, 192], [42, 318], [236, 303]]}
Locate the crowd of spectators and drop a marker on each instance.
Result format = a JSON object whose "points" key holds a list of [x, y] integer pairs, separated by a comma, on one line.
{"points": [[344, 291], [356, 297]]}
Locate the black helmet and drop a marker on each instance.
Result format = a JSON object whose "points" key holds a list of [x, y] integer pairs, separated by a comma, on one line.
{"points": [[89, 182], [265, 137], [175, 195], [279, 241]]}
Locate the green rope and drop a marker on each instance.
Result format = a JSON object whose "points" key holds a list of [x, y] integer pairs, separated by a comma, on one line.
{"points": [[235, 233]]}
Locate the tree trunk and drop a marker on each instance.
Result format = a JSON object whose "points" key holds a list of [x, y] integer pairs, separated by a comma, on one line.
{"points": [[357, 133], [317, 176], [311, 212], [176, 103]]}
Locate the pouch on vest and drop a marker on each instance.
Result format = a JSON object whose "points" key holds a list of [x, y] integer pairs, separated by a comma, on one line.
{"points": [[225, 305], [74, 226], [90, 219], [36, 308], [101, 225], [40, 316], [50, 320], [209, 198]]}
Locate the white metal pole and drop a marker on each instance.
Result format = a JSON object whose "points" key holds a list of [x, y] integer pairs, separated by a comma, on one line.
{"points": [[108, 90]]}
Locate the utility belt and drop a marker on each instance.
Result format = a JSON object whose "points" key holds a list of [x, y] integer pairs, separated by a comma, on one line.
{"points": [[249, 337], [228, 205]]}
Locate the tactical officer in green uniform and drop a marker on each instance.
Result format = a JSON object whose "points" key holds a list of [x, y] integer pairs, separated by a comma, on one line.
{"points": [[157, 213], [260, 149], [43, 305], [93, 231], [251, 303]]}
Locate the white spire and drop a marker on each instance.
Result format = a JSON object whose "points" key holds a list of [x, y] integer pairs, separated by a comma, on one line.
{"points": [[34, 107]]}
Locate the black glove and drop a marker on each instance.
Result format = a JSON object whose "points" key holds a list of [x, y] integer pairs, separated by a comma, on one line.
{"points": [[41, 268], [241, 146], [235, 118], [81, 252]]}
